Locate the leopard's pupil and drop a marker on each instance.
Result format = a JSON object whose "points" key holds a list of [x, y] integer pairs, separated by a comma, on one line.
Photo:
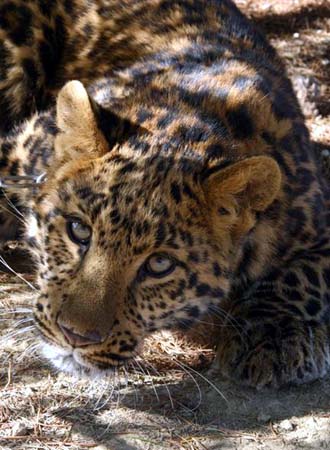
{"points": [[159, 264]]}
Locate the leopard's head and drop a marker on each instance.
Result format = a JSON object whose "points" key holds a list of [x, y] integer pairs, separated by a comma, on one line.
{"points": [[128, 243]]}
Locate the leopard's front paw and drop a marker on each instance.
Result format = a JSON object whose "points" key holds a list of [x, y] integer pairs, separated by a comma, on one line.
{"points": [[270, 356]]}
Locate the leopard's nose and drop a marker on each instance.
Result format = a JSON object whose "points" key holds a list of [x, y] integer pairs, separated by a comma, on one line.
{"points": [[80, 340]]}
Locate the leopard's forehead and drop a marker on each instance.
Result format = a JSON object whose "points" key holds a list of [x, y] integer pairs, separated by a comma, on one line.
{"points": [[129, 182], [136, 204]]}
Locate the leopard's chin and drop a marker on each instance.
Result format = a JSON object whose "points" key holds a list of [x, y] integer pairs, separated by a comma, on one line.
{"points": [[72, 362]]}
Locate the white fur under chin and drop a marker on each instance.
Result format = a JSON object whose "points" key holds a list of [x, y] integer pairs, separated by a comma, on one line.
{"points": [[71, 362]]}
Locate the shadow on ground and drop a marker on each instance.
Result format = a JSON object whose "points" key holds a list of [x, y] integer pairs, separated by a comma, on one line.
{"points": [[200, 412]]}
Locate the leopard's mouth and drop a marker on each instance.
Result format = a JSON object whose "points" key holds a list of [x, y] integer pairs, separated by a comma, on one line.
{"points": [[74, 362]]}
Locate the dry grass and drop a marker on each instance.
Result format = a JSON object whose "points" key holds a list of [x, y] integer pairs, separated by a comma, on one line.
{"points": [[166, 404]]}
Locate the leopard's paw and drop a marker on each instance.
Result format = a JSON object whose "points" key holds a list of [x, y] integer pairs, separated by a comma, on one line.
{"points": [[270, 357]]}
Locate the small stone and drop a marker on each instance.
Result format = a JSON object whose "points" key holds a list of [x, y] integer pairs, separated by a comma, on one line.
{"points": [[286, 425], [325, 153], [19, 429], [28, 391], [296, 35]]}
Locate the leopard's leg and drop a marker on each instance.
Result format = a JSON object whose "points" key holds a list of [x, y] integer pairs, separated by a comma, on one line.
{"points": [[280, 333]]}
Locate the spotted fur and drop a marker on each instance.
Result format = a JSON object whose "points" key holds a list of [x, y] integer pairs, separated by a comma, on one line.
{"points": [[182, 140]]}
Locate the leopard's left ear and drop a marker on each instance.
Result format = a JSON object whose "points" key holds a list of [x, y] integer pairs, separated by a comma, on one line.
{"points": [[234, 194], [79, 133]]}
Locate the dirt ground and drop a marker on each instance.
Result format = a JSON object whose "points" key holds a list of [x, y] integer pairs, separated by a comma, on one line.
{"points": [[173, 400]]}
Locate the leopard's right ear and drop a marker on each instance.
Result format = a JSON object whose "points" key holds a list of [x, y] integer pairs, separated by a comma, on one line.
{"points": [[86, 129], [79, 134]]}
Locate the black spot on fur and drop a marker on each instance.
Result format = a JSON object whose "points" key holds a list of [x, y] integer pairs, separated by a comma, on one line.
{"points": [[14, 168], [51, 49], [214, 151], [223, 211], [176, 192], [311, 275], [16, 20], [192, 311], [240, 123], [31, 71], [216, 269], [165, 121], [193, 257], [313, 307], [127, 168], [40, 307], [143, 115], [291, 279], [202, 289], [295, 296], [160, 235], [326, 277]]}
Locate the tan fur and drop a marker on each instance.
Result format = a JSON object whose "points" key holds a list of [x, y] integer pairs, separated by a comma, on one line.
{"points": [[79, 133], [242, 189]]}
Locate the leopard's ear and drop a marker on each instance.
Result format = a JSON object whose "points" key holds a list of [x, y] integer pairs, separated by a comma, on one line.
{"points": [[79, 133], [235, 193], [86, 129]]}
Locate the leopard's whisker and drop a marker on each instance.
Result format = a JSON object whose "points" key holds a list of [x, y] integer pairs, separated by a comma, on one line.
{"points": [[16, 311], [191, 376], [163, 384], [31, 351], [124, 370], [30, 341], [264, 286], [18, 323], [107, 400], [12, 213], [131, 365], [18, 214], [19, 331], [226, 316], [98, 405], [116, 383], [148, 374], [3, 262], [16, 333], [210, 383]]}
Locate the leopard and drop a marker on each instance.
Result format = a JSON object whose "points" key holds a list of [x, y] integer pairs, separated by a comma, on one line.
{"points": [[180, 186]]}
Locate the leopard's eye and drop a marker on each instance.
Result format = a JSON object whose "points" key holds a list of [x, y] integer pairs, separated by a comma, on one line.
{"points": [[159, 265], [78, 232]]}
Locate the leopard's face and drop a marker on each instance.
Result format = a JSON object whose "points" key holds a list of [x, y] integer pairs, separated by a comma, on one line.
{"points": [[125, 247], [127, 244]]}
